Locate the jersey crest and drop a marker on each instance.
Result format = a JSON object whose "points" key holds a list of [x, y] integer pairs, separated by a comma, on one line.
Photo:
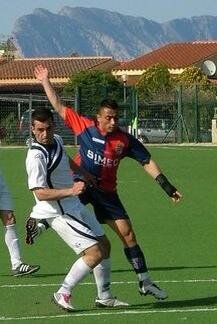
{"points": [[119, 148]]}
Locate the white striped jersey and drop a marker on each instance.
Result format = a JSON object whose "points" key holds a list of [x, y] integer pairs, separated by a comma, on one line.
{"points": [[47, 166]]}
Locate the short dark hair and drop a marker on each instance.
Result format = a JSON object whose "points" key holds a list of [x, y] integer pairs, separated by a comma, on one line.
{"points": [[42, 114], [108, 103]]}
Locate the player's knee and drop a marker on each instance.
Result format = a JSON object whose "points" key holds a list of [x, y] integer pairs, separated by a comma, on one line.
{"points": [[99, 255], [7, 217], [94, 255], [129, 237], [105, 246]]}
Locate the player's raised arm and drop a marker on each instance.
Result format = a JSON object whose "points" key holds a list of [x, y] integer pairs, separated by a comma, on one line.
{"points": [[41, 74], [154, 171]]}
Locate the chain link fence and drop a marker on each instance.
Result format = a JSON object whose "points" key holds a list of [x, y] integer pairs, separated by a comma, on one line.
{"points": [[15, 118], [184, 115]]}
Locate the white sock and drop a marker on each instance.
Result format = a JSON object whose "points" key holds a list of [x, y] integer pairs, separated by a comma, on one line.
{"points": [[102, 274], [12, 243], [78, 271], [41, 229], [143, 276]]}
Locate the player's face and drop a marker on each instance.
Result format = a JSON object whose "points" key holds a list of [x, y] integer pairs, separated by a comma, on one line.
{"points": [[43, 131], [107, 120]]}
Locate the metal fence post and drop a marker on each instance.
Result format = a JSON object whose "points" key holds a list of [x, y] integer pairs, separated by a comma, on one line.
{"points": [[197, 116], [179, 113], [77, 106], [30, 121], [135, 111], [104, 91]]}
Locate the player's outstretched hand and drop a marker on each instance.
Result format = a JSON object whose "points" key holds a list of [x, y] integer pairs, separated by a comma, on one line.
{"points": [[176, 197]]}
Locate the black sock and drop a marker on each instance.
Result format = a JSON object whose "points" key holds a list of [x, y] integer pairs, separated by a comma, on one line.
{"points": [[136, 258]]}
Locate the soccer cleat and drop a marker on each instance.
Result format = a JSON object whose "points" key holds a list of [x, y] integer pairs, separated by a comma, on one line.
{"points": [[63, 301], [31, 230], [110, 302], [25, 269], [147, 287]]}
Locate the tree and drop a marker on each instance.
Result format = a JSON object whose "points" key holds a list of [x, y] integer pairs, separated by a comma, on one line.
{"points": [[8, 48], [198, 100], [154, 83], [191, 76], [93, 85]]}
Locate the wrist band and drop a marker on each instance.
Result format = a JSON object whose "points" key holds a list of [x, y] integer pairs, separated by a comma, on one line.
{"points": [[165, 184]]}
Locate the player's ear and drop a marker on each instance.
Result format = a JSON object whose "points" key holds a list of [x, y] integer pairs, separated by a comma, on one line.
{"points": [[98, 116], [32, 129]]}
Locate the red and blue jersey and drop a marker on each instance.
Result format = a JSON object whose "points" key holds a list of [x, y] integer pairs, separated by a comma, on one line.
{"points": [[101, 154]]}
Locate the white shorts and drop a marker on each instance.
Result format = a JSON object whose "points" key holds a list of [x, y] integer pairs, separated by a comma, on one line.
{"points": [[80, 231], [5, 197]]}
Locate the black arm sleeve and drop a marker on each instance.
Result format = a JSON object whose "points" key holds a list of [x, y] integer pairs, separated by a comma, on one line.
{"points": [[165, 184]]}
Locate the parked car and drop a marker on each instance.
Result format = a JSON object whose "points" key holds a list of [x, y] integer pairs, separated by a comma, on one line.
{"points": [[60, 128], [156, 130]]}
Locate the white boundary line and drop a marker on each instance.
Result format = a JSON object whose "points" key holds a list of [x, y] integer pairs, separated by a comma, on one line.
{"points": [[123, 312], [113, 283], [111, 312]]}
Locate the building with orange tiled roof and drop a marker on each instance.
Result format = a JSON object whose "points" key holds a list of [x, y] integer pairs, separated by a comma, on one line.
{"points": [[177, 57], [17, 76]]}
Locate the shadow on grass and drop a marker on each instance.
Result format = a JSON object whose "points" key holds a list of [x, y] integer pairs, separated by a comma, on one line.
{"points": [[204, 301], [168, 268], [44, 275], [197, 302], [131, 270]]}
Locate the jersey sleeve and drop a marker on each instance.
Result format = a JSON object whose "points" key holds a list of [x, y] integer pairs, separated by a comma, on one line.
{"points": [[36, 170], [137, 151], [75, 121]]}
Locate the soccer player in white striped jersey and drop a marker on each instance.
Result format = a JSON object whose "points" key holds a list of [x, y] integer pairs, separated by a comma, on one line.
{"points": [[11, 239], [57, 202]]}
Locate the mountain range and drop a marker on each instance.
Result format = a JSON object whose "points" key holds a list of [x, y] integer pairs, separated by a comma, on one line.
{"points": [[97, 32]]}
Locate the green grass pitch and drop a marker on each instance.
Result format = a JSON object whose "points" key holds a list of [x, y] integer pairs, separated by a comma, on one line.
{"points": [[179, 242]]}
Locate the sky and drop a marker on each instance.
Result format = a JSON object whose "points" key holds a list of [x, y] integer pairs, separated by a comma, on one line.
{"points": [[157, 10]]}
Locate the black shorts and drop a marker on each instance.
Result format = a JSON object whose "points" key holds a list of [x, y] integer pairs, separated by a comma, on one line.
{"points": [[106, 205]]}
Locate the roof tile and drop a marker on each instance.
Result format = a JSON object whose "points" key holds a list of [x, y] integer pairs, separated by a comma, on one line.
{"points": [[58, 67], [176, 56]]}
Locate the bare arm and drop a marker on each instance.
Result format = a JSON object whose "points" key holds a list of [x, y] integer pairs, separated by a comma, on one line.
{"points": [[155, 172], [56, 194], [41, 74], [152, 169]]}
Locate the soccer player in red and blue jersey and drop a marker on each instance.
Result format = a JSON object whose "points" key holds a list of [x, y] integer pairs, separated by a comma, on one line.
{"points": [[102, 146]]}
